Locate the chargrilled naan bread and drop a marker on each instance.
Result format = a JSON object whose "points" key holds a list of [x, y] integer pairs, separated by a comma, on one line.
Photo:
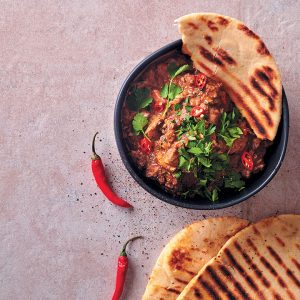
{"points": [[227, 50], [260, 262], [187, 253]]}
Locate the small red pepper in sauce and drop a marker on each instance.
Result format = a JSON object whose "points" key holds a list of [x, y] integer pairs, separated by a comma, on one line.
{"points": [[159, 106], [197, 111], [146, 145], [100, 177], [200, 80], [247, 160], [122, 270]]}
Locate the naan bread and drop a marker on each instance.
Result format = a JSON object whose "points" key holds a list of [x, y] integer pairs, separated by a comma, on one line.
{"points": [[227, 50], [260, 262], [187, 253]]}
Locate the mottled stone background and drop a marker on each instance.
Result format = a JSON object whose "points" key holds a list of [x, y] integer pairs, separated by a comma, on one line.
{"points": [[61, 66]]}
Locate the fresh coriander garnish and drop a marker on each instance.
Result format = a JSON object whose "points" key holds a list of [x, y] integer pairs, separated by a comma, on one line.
{"points": [[229, 132], [139, 98], [138, 123], [170, 90]]}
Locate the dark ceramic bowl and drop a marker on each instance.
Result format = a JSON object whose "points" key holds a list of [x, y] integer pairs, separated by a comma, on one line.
{"points": [[273, 157]]}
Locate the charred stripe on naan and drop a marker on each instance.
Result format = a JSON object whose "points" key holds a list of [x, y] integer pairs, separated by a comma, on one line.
{"points": [[248, 260], [197, 293], [215, 60], [208, 39], [258, 87], [247, 31], [212, 25], [225, 56], [280, 241], [280, 262], [242, 272], [296, 263], [262, 49], [209, 288], [182, 281], [266, 77], [173, 291], [237, 285], [194, 26], [222, 21], [267, 264], [220, 283], [244, 106]]}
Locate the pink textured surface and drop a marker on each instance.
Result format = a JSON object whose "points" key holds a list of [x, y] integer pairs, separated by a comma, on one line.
{"points": [[61, 66]]}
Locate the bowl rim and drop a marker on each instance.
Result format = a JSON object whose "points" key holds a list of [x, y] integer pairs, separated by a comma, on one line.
{"points": [[140, 179]]}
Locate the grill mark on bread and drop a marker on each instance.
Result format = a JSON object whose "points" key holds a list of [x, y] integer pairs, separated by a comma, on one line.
{"points": [[281, 263], [226, 57], [262, 49], [209, 288], [237, 285], [212, 25], [298, 246], [181, 280], [296, 263], [173, 291], [197, 293], [255, 230], [247, 31], [258, 87], [256, 270], [266, 76], [194, 26], [209, 56], [280, 241], [215, 60], [242, 272], [222, 21], [220, 283], [208, 39]]}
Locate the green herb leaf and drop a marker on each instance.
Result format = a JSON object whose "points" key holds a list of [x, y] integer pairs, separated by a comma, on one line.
{"points": [[214, 195], [177, 106], [235, 132], [233, 180], [181, 70], [139, 99], [203, 182], [182, 162], [172, 68], [195, 150], [177, 174], [164, 91], [139, 122], [204, 161], [174, 90]]}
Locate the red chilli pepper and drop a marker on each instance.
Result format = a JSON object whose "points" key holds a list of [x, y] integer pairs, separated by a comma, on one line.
{"points": [[247, 160], [145, 145], [159, 106], [122, 270], [197, 111], [201, 80], [100, 177]]}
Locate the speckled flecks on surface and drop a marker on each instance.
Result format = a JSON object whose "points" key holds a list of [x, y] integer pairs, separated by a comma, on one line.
{"points": [[61, 66]]}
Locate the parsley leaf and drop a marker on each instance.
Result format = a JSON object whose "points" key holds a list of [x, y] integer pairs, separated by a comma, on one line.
{"points": [[164, 91], [233, 180], [174, 90], [139, 99], [139, 122], [181, 70]]}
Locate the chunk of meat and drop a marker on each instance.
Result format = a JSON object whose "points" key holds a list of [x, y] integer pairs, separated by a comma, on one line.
{"points": [[214, 114], [156, 96], [239, 144], [168, 159], [154, 127]]}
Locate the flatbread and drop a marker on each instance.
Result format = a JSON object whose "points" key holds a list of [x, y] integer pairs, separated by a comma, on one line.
{"points": [[226, 49], [187, 253], [260, 262]]}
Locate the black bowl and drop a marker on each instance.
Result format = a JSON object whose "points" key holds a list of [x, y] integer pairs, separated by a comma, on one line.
{"points": [[273, 158]]}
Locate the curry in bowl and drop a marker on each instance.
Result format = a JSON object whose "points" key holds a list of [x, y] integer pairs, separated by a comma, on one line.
{"points": [[182, 129]]}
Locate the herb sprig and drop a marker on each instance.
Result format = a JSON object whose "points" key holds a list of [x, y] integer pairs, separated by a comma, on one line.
{"points": [[139, 98], [171, 90]]}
